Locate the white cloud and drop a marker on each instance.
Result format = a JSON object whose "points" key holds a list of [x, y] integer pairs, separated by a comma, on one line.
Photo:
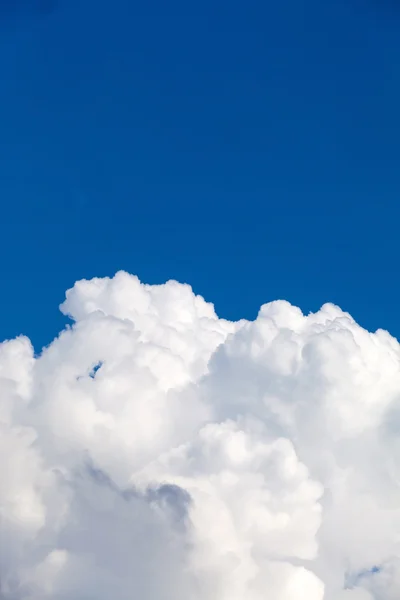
{"points": [[155, 451]]}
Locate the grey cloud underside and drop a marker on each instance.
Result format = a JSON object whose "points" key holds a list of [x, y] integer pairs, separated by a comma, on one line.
{"points": [[156, 451]]}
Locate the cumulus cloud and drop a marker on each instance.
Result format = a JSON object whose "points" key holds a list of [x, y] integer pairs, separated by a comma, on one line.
{"points": [[156, 451]]}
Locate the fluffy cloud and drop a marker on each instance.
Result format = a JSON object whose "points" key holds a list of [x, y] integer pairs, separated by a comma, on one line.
{"points": [[155, 451]]}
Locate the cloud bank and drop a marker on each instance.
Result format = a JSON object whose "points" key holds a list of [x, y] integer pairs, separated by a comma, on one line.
{"points": [[155, 451]]}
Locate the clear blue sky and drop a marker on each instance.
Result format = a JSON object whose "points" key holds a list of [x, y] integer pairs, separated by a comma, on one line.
{"points": [[251, 149]]}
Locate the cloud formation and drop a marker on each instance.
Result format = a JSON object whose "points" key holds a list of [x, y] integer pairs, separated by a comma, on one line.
{"points": [[155, 451]]}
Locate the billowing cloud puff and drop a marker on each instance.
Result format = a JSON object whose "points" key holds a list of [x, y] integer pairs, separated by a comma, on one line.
{"points": [[155, 451]]}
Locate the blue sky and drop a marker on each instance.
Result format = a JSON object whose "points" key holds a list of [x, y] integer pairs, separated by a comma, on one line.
{"points": [[250, 149]]}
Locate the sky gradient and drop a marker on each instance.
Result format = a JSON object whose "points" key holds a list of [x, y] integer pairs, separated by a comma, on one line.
{"points": [[250, 151]]}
